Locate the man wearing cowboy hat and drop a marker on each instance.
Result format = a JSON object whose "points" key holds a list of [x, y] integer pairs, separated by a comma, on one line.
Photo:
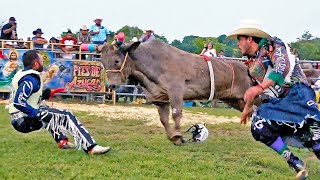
{"points": [[38, 41], [83, 37], [288, 107], [100, 34], [148, 36]]}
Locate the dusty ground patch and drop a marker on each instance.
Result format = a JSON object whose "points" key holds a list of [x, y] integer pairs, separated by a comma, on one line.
{"points": [[148, 114]]}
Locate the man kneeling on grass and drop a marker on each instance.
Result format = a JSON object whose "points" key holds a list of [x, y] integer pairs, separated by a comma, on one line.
{"points": [[27, 115]]}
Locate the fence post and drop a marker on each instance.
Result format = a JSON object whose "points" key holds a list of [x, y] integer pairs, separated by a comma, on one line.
{"points": [[114, 97]]}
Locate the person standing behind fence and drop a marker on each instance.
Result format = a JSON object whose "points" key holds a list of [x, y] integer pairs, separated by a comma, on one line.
{"points": [[53, 40], [148, 36], [67, 45], [221, 54], [83, 37], [209, 50], [38, 41], [9, 30], [100, 34], [20, 44]]}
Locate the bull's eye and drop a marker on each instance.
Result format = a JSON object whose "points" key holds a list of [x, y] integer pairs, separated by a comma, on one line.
{"points": [[117, 61]]}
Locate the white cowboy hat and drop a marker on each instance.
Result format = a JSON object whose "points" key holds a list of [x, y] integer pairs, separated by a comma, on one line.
{"points": [[134, 39], [84, 27], [148, 29], [9, 43], [249, 29], [97, 17]]}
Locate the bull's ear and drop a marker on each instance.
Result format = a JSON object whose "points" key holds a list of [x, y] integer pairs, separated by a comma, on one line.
{"points": [[133, 46]]}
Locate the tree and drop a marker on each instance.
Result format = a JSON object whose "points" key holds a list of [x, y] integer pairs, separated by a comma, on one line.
{"points": [[130, 32], [305, 36], [308, 49], [187, 44], [222, 38], [161, 37]]}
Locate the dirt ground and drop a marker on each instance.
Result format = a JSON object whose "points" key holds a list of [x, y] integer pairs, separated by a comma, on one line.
{"points": [[147, 114]]}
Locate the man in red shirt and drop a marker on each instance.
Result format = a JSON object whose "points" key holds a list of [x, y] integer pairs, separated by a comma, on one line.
{"points": [[69, 41]]}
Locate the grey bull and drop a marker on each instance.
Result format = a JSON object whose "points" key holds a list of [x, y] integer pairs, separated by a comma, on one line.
{"points": [[169, 76]]}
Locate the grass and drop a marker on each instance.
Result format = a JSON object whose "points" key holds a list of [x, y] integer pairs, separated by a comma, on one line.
{"points": [[142, 152], [214, 111]]}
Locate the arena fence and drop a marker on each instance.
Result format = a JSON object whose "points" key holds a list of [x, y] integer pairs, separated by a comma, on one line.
{"points": [[81, 78]]}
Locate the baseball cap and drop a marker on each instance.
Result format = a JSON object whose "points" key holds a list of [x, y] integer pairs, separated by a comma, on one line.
{"points": [[12, 19]]}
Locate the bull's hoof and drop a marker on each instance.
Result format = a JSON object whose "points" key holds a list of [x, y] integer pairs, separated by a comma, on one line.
{"points": [[177, 139]]}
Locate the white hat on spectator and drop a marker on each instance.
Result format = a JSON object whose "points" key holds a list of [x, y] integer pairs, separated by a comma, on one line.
{"points": [[97, 18], [134, 39], [84, 27], [9, 43], [148, 29]]}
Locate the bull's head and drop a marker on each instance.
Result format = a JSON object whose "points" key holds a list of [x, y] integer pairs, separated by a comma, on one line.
{"points": [[117, 62]]}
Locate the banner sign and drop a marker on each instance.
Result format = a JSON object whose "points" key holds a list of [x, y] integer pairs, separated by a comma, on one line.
{"points": [[73, 75]]}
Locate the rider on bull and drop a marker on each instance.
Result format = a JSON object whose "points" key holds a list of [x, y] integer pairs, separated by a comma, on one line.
{"points": [[288, 107], [27, 115]]}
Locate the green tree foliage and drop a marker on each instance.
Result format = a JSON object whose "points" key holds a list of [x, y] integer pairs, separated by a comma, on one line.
{"points": [[307, 46], [187, 44], [161, 37], [308, 49], [305, 36], [195, 44], [130, 32]]}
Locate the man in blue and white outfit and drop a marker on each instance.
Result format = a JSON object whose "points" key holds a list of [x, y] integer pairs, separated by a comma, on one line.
{"points": [[27, 115], [99, 34], [289, 108]]}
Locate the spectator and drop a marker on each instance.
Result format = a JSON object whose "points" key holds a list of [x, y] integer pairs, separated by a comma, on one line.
{"points": [[119, 39], [20, 44], [38, 41], [100, 34], [148, 36], [209, 50], [8, 44], [9, 30], [53, 40], [67, 45], [83, 37], [221, 53]]}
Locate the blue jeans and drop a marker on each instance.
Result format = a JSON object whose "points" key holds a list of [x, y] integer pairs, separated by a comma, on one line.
{"points": [[98, 42]]}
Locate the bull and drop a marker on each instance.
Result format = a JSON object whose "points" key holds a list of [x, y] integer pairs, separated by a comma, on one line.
{"points": [[169, 76]]}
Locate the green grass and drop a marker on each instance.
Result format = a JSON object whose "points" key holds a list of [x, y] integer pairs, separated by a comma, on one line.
{"points": [[214, 111], [142, 152]]}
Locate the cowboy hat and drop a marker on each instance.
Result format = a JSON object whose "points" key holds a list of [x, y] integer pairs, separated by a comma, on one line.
{"points": [[249, 29], [134, 39], [9, 43], [97, 17], [148, 29], [37, 31], [84, 27]]}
